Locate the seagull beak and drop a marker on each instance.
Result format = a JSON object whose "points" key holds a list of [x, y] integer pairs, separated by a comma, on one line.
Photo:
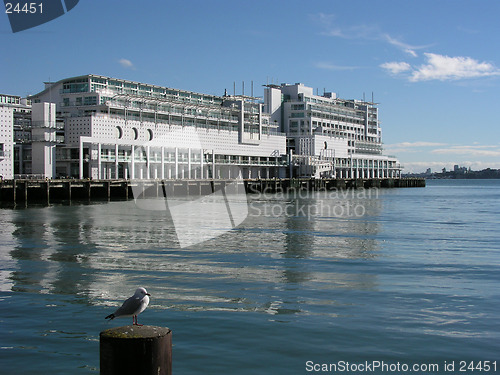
{"points": [[148, 294]]}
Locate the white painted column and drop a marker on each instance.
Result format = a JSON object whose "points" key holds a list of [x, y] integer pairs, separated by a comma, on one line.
{"points": [[116, 161], [162, 174], [213, 165], [132, 163], [99, 166], [176, 162], [148, 164], [201, 163], [81, 160], [189, 163]]}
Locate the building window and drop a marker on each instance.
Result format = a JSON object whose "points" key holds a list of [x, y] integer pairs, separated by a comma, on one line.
{"points": [[119, 132], [90, 100], [135, 133], [150, 134]]}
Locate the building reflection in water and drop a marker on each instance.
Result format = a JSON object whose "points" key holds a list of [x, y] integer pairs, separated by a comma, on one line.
{"points": [[291, 255]]}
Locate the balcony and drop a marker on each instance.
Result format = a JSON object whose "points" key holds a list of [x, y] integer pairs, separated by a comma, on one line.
{"points": [[47, 124], [48, 138]]}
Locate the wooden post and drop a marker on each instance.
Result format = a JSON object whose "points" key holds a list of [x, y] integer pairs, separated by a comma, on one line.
{"points": [[47, 192], [89, 192], [131, 349], [69, 190]]}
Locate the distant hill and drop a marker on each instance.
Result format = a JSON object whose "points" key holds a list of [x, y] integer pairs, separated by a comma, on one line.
{"points": [[483, 174]]}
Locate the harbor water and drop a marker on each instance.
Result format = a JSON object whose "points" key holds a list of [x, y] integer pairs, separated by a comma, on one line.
{"points": [[307, 283]]}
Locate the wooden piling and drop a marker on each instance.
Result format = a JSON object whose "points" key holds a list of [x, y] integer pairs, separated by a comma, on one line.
{"points": [[131, 349], [47, 191], [68, 184], [25, 191]]}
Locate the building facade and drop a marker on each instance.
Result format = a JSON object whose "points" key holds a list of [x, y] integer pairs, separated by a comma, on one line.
{"points": [[122, 129], [99, 127], [329, 136], [15, 120]]}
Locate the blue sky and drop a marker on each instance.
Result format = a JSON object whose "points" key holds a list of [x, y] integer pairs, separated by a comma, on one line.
{"points": [[434, 66]]}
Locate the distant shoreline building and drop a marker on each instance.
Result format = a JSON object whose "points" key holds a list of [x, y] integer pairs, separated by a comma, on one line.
{"points": [[99, 127]]}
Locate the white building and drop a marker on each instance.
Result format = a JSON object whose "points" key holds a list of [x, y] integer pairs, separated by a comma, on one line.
{"points": [[13, 109], [328, 136], [99, 127], [122, 129]]}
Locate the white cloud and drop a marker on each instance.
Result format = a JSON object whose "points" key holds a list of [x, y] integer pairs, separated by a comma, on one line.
{"points": [[489, 151], [445, 68], [331, 28], [444, 148], [411, 147], [417, 144], [126, 63], [436, 66], [396, 67], [366, 32], [409, 49], [329, 66]]}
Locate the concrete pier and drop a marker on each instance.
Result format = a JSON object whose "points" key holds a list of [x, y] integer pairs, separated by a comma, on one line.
{"points": [[47, 191]]}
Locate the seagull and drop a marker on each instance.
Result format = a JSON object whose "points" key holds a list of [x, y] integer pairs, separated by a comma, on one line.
{"points": [[132, 306]]}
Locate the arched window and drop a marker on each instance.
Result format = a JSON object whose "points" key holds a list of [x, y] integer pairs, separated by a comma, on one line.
{"points": [[150, 133], [135, 133], [119, 132]]}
